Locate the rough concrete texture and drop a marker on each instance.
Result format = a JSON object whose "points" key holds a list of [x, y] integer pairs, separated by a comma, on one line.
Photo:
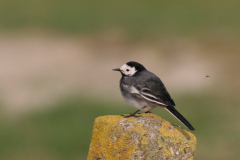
{"points": [[147, 137]]}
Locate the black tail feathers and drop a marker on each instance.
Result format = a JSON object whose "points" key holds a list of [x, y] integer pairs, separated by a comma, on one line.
{"points": [[176, 114]]}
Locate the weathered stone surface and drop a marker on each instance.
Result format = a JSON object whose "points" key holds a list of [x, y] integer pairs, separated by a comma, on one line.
{"points": [[147, 137]]}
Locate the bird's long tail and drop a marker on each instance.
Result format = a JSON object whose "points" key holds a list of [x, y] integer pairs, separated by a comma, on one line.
{"points": [[176, 114]]}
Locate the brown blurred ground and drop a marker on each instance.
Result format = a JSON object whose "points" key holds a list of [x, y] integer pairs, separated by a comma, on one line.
{"points": [[38, 69]]}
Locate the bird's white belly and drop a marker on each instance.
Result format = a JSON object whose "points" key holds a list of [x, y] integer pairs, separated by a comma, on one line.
{"points": [[140, 105]]}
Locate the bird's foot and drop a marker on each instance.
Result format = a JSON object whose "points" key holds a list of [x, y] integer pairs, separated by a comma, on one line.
{"points": [[131, 115], [148, 112]]}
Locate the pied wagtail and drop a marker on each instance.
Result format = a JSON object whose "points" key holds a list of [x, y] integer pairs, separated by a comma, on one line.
{"points": [[144, 90]]}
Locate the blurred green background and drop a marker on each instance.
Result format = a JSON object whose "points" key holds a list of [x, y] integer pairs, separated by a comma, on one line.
{"points": [[56, 59]]}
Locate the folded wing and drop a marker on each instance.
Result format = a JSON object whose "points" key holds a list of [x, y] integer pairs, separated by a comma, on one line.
{"points": [[146, 94]]}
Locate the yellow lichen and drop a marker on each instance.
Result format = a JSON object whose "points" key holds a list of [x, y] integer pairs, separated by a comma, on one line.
{"points": [[178, 135], [144, 140], [116, 137], [102, 138], [191, 158], [167, 153]]}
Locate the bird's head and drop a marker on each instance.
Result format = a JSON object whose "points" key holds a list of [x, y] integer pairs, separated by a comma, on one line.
{"points": [[130, 68]]}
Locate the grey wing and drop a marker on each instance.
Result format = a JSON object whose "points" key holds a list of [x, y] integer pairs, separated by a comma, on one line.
{"points": [[156, 88], [148, 86], [145, 93]]}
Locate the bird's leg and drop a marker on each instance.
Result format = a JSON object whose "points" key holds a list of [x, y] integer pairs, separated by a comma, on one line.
{"points": [[132, 114], [148, 112]]}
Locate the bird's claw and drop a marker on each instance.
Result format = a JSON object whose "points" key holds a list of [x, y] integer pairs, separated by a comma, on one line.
{"points": [[148, 112], [131, 115]]}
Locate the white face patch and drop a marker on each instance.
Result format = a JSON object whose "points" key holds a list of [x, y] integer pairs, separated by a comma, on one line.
{"points": [[128, 70]]}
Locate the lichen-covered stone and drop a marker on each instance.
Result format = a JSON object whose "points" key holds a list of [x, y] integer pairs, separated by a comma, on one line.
{"points": [[147, 137]]}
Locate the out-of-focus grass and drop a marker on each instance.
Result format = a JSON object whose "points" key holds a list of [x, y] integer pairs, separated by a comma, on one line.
{"points": [[214, 117], [140, 18], [64, 131]]}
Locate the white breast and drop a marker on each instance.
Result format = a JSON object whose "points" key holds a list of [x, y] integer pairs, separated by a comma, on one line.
{"points": [[136, 101]]}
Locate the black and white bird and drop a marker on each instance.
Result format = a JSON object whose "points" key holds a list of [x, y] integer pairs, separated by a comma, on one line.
{"points": [[144, 91]]}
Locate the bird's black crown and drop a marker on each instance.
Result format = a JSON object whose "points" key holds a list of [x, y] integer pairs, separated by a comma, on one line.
{"points": [[138, 66]]}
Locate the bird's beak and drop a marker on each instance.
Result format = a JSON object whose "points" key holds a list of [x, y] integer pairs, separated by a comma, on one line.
{"points": [[116, 69]]}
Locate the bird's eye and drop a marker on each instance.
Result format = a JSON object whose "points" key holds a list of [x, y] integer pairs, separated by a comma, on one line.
{"points": [[127, 70]]}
